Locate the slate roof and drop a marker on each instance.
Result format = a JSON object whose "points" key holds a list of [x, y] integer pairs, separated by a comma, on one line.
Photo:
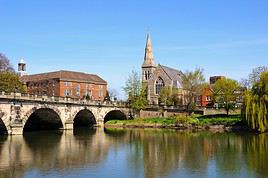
{"points": [[174, 74], [65, 75]]}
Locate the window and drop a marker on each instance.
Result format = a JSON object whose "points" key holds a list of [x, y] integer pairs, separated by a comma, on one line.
{"points": [[53, 92], [65, 84], [70, 84], [77, 89], [147, 75], [67, 92], [159, 84], [100, 86], [208, 98], [100, 93]]}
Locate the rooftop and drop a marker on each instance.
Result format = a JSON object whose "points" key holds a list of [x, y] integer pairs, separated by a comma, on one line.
{"points": [[65, 75]]}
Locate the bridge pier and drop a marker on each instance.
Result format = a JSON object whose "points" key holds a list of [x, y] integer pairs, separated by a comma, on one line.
{"points": [[69, 125], [16, 129]]}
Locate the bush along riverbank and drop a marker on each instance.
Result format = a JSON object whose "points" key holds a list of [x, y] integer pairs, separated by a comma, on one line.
{"points": [[211, 122]]}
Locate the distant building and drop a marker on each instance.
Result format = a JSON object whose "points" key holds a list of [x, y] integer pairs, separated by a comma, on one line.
{"points": [[207, 95], [67, 84], [155, 77], [214, 79]]}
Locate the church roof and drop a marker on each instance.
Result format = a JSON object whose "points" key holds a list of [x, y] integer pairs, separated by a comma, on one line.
{"points": [[65, 75], [173, 74]]}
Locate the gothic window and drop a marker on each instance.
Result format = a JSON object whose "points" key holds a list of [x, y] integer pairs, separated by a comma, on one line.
{"points": [[159, 84]]}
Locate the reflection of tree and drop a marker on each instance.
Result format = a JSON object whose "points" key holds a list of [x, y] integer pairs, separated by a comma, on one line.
{"points": [[149, 153], [256, 151]]}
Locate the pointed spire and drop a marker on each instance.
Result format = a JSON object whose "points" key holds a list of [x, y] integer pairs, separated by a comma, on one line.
{"points": [[148, 57]]}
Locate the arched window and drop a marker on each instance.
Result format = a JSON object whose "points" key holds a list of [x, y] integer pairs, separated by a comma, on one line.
{"points": [[159, 84]]}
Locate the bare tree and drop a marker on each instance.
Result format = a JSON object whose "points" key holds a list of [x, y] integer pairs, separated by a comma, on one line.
{"points": [[112, 94], [254, 77], [5, 65]]}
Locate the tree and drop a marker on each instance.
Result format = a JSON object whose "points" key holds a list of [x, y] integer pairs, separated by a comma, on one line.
{"points": [[168, 96], [10, 82], [255, 108], [5, 64], [112, 94], [136, 92], [133, 84], [193, 83], [255, 75], [225, 93]]}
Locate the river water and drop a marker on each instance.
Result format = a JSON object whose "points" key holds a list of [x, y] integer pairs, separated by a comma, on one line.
{"points": [[127, 153]]}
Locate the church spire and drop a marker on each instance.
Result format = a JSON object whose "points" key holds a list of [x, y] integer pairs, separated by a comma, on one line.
{"points": [[148, 57]]}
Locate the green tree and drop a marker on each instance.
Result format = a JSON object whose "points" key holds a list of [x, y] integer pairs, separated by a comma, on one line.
{"points": [[225, 93], [136, 92], [10, 82], [255, 109], [193, 83], [168, 96]]}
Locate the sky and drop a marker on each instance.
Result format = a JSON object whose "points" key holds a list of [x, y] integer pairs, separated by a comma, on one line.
{"points": [[107, 37]]}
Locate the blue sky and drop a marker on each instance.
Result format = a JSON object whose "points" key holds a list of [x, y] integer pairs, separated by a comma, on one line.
{"points": [[225, 37]]}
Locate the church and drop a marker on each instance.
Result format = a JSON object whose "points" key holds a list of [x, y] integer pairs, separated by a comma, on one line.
{"points": [[155, 77]]}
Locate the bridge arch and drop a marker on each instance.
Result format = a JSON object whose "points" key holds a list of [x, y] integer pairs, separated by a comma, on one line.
{"points": [[3, 125], [115, 115], [42, 118], [84, 118]]}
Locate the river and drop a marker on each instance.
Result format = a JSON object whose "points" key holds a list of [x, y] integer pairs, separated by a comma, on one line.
{"points": [[127, 153]]}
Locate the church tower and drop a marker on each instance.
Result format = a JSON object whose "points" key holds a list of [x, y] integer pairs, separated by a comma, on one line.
{"points": [[148, 65], [22, 68]]}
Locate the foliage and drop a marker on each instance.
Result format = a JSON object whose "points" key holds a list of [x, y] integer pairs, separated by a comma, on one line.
{"points": [[5, 65], [253, 77], [223, 120], [133, 84], [193, 83], [137, 93], [225, 92], [10, 82], [140, 101], [87, 97], [255, 109], [168, 96], [180, 119]]}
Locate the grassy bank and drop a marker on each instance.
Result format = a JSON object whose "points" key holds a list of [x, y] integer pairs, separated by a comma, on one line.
{"points": [[178, 121]]}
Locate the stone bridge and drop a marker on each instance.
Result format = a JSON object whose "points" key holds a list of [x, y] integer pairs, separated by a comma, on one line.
{"points": [[19, 113]]}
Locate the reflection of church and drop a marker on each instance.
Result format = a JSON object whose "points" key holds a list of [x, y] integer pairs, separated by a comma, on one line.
{"points": [[155, 77]]}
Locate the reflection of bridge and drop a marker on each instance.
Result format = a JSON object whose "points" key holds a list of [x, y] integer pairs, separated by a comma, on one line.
{"points": [[24, 112]]}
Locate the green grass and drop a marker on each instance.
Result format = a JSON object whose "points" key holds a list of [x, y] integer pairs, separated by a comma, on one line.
{"points": [[175, 120]]}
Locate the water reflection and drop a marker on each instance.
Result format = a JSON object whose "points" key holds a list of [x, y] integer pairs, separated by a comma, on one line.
{"points": [[134, 153]]}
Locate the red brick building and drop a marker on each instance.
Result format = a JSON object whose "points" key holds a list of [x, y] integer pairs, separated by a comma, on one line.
{"points": [[207, 96], [67, 84]]}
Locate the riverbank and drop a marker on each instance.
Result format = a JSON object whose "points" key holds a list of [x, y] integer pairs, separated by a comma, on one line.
{"points": [[213, 122]]}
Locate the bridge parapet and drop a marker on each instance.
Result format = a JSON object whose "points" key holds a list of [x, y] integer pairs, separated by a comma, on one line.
{"points": [[53, 99]]}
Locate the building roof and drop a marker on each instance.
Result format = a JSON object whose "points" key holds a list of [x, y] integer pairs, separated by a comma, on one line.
{"points": [[65, 75], [174, 74]]}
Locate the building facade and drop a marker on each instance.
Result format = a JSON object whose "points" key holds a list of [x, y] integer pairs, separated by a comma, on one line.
{"points": [[155, 77], [66, 84]]}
